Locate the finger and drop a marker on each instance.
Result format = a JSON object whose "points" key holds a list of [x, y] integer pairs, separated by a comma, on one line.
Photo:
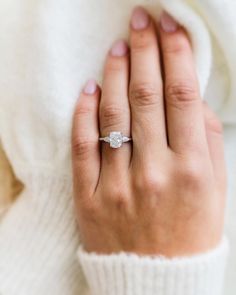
{"points": [[114, 107], [186, 131], [146, 95], [85, 146], [214, 131]]}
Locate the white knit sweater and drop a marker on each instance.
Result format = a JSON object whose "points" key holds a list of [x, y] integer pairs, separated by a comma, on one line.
{"points": [[48, 48]]}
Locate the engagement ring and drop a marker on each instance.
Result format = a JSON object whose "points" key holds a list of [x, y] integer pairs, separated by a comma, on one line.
{"points": [[116, 139]]}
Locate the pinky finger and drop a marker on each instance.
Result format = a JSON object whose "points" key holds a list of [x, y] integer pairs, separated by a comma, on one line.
{"points": [[85, 144], [214, 132]]}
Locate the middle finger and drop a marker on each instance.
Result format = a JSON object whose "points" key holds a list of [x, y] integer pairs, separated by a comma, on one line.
{"points": [[146, 90]]}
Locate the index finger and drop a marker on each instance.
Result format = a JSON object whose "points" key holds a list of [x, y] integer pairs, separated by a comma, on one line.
{"points": [[85, 144]]}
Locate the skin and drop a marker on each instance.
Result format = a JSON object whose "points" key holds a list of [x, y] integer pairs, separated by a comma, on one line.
{"points": [[164, 193]]}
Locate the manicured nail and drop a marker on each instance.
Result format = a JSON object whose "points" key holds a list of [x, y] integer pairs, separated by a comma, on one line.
{"points": [[168, 24], [140, 19], [119, 48], [90, 87]]}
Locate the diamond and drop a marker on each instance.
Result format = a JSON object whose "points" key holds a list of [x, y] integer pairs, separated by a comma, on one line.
{"points": [[116, 139]]}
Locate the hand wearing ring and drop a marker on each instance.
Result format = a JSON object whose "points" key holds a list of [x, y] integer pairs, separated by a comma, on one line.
{"points": [[164, 193]]}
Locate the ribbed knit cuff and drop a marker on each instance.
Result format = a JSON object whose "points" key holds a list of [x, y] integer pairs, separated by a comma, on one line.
{"points": [[129, 274]]}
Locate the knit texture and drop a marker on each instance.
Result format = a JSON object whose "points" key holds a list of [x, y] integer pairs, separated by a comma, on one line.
{"points": [[130, 274], [48, 49], [38, 240]]}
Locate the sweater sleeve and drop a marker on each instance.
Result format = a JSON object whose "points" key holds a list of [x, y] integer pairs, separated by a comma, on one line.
{"points": [[123, 273]]}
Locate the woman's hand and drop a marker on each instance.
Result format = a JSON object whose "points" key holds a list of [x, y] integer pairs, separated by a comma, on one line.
{"points": [[164, 193]]}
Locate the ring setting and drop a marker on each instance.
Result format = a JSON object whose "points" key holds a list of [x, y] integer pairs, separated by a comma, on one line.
{"points": [[115, 139]]}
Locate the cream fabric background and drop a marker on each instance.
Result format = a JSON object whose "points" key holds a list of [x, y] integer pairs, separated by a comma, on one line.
{"points": [[44, 74]]}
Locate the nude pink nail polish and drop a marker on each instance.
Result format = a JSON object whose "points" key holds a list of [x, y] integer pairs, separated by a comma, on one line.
{"points": [[140, 19], [168, 24], [90, 87], [119, 48]]}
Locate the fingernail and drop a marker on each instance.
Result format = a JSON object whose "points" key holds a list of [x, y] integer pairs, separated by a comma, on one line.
{"points": [[140, 19], [168, 24], [119, 48], [90, 87]]}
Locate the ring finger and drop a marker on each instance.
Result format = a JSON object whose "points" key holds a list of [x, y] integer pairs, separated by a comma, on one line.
{"points": [[114, 107]]}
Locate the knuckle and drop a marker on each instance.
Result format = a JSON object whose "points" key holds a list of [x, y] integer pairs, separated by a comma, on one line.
{"points": [[82, 147], [212, 122], [113, 66], [112, 115], [215, 125], [83, 110], [142, 42], [177, 45], [179, 93], [144, 95], [192, 173], [118, 196], [149, 183]]}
